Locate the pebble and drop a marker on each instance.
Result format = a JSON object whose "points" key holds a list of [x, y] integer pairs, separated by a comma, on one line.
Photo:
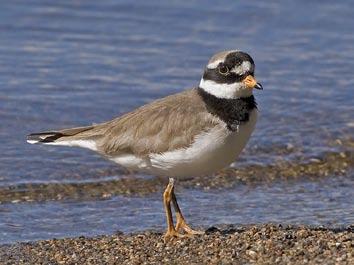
{"points": [[261, 244]]}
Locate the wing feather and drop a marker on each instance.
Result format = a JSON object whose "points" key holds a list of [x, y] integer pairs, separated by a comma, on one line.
{"points": [[163, 125]]}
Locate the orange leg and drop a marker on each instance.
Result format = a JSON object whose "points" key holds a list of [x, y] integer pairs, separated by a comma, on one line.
{"points": [[167, 197], [181, 222]]}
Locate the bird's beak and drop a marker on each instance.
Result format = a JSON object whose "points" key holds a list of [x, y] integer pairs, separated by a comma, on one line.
{"points": [[250, 82]]}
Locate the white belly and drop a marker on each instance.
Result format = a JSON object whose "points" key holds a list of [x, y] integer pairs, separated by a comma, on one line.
{"points": [[212, 151]]}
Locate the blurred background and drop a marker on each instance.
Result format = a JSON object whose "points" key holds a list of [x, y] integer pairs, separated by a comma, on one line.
{"points": [[73, 63]]}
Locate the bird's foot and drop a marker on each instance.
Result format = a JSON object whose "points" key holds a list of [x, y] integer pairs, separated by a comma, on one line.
{"points": [[173, 234], [181, 224]]}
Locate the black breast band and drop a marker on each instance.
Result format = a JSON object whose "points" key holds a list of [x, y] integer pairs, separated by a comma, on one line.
{"points": [[233, 112]]}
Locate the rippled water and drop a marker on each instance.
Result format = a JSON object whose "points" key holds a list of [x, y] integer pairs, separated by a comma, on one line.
{"points": [[320, 203], [72, 63]]}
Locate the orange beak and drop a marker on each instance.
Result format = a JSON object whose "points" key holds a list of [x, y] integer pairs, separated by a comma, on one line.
{"points": [[251, 83]]}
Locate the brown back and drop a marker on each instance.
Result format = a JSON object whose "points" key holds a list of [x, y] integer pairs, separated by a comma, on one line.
{"points": [[163, 125]]}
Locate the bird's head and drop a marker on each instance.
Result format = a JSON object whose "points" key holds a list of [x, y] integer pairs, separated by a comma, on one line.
{"points": [[230, 74]]}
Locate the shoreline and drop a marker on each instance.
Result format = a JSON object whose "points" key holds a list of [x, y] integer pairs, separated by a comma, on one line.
{"points": [[329, 164], [221, 244]]}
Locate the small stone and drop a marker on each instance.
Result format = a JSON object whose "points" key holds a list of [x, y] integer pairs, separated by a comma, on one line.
{"points": [[251, 253]]}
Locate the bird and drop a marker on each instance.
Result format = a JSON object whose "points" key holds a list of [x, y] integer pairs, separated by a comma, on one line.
{"points": [[195, 132]]}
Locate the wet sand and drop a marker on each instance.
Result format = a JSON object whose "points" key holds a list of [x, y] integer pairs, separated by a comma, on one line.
{"points": [[225, 244]]}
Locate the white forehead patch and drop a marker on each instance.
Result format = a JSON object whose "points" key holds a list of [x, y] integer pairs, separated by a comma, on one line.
{"points": [[242, 69], [214, 64]]}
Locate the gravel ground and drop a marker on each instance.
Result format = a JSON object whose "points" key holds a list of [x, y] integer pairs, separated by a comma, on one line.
{"points": [[225, 244]]}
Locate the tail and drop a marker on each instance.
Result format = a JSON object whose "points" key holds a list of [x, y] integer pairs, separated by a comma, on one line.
{"points": [[80, 136]]}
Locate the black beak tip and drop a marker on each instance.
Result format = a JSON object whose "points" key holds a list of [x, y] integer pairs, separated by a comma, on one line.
{"points": [[259, 86]]}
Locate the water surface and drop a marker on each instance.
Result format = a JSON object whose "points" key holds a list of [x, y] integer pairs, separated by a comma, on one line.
{"points": [[66, 63]]}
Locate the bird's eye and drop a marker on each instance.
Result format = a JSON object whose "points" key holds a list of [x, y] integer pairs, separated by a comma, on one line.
{"points": [[223, 69]]}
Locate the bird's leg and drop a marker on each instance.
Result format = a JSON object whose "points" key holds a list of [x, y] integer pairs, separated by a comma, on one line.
{"points": [[181, 222], [167, 197]]}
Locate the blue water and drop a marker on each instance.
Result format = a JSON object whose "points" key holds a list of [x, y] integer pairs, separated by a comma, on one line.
{"points": [[306, 203], [72, 63]]}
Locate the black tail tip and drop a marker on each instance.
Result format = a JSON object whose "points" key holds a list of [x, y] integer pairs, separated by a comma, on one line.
{"points": [[45, 137], [33, 138]]}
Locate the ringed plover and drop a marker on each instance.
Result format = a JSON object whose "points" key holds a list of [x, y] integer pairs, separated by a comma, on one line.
{"points": [[195, 132]]}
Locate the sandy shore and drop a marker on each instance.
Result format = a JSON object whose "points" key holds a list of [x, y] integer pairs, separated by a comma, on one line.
{"points": [[225, 244]]}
